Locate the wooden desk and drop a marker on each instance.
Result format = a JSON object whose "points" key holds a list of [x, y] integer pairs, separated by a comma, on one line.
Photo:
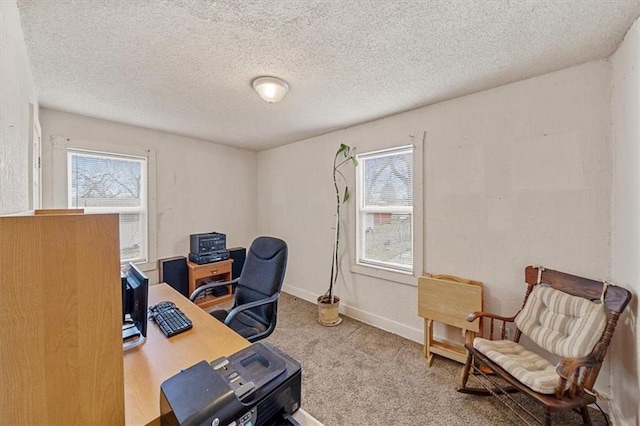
{"points": [[157, 359]]}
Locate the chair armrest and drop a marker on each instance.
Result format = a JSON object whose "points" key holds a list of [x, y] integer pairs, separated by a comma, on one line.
{"points": [[202, 288], [568, 366], [493, 317], [569, 370], [473, 315], [235, 311]]}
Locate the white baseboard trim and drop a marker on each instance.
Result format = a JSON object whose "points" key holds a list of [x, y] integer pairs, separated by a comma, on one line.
{"points": [[377, 321], [301, 293], [385, 324]]}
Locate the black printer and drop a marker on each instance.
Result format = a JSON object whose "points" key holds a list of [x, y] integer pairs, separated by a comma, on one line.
{"points": [[259, 385]]}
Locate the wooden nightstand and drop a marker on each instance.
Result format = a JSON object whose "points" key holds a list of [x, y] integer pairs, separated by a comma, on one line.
{"points": [[216, 271]]}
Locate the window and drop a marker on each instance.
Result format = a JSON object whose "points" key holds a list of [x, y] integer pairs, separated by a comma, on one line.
{"points": [[102, 182], [384, 216]]}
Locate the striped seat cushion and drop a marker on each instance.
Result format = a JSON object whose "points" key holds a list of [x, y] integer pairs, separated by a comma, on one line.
{"points": [[528, 368], [565, 325]]}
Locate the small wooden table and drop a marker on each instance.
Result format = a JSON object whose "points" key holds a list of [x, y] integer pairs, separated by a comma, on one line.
{"points": [[448, 299], [158, 358], [216, 271]]}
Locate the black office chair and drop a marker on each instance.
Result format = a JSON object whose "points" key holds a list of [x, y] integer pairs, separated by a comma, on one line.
{"points": [[255, 306]]}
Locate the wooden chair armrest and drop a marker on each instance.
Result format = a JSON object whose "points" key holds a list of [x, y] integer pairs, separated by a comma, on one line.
{"points": [[473, 315], [569, 370], [568, 366], [493, 317]]}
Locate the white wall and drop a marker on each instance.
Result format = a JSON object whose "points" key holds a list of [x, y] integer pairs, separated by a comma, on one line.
{"points": [[517, 175], [625, 270], [201, 186], [16, 93]]}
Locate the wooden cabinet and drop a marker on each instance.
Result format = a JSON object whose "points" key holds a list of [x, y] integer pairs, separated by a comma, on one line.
{"points": [[216, 271], [61, 320]]}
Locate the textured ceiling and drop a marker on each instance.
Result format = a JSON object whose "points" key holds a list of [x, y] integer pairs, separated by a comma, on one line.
{"points": [[185, 66]]}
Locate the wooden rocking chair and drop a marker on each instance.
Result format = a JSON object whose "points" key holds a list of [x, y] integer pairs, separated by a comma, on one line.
{"points": [[566, 315]]}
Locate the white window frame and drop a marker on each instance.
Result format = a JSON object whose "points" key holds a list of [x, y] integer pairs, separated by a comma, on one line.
{"points": [[142, 210], [63, 147], [372, 269], [362, 210]]}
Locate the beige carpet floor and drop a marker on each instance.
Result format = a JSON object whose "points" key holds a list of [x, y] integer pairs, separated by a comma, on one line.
{"points": [[355, 374]]}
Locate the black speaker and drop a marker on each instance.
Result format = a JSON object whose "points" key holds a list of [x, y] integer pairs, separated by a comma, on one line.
{"points": [[174, 272], [238, 254]]}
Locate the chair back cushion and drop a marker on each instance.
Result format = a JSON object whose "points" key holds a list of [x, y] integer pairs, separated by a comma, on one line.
{"points": [[262, 275], [560, 323]]}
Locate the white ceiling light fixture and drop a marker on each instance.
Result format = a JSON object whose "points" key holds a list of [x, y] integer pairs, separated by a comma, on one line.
{"points": [[270, 89]]}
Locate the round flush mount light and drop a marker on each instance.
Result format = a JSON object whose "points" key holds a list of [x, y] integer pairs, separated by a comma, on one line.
{"points": [[270, 89]]}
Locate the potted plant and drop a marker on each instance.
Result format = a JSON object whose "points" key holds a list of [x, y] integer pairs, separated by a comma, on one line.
{"points": [[329, 303]]}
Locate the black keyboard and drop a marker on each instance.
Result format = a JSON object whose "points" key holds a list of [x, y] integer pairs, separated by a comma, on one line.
{"points": [[169, 318]]}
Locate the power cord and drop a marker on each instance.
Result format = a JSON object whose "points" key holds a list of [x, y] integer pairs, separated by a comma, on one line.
{"points": [[606, 418]]}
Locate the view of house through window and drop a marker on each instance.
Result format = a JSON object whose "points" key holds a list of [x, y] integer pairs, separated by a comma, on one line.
{"points": [[385, 209], [112, 183]]}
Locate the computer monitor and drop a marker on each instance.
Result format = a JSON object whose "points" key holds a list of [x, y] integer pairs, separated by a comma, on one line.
{"points": [[135, 296]]}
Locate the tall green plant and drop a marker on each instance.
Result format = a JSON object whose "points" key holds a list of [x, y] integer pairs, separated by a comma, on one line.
{"points": [[344, 156]]}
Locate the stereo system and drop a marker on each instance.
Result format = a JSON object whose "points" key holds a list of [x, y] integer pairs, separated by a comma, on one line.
{"points": [[174, 270], [208, 247], [208, 243], [208, 258]]}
